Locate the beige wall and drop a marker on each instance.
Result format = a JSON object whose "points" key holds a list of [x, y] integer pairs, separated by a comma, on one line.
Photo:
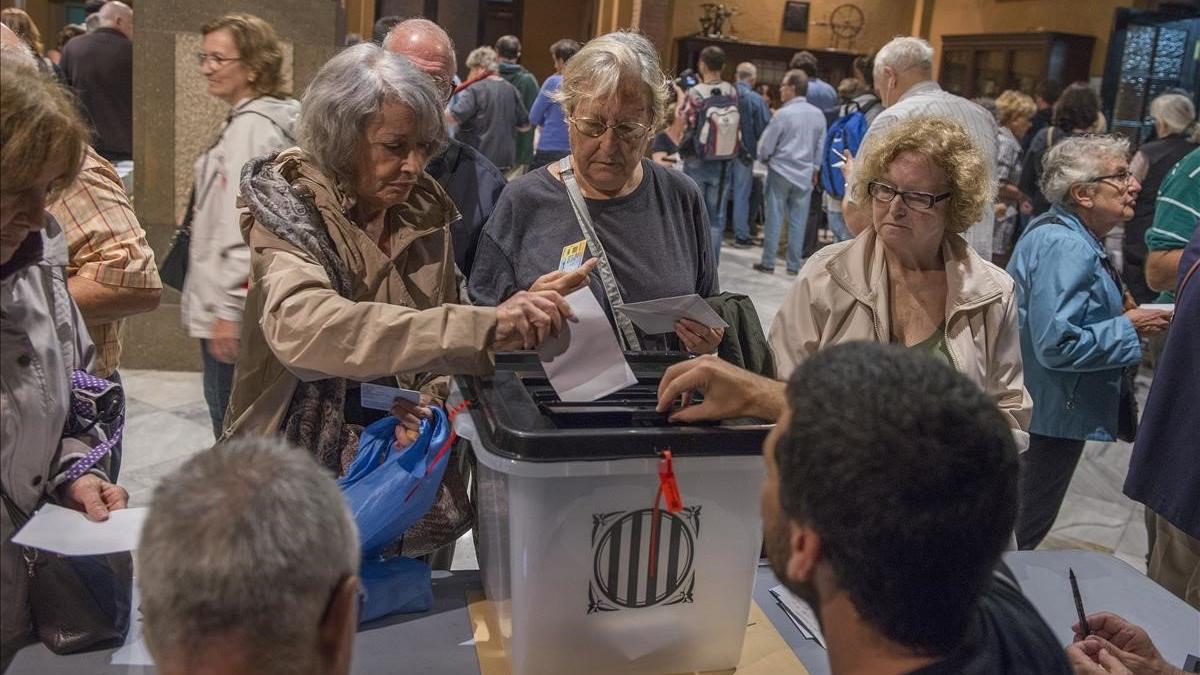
{"points": [[546, 22], [1085, 17]]}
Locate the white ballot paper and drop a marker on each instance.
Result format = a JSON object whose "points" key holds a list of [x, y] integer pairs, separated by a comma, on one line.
{"points": [[379, 397], [1165, 306], [659, 316], [584, 361], [69, 532], [800, 613]]}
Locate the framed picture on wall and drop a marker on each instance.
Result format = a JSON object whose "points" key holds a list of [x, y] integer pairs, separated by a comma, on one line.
{"points": [[795, 16]]}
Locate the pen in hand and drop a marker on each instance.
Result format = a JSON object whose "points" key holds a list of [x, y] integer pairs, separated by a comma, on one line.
{"points": [[1083, 624]]}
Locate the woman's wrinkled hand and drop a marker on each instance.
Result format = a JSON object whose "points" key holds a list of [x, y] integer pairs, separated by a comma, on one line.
{"points": [[94, 496], [410, 415], [1149, 321], [565, 283], [526, 319], [698, 338]]}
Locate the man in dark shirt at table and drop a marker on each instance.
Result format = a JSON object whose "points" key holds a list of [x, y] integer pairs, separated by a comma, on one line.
{"points": [[99, 67], [891, 492]]}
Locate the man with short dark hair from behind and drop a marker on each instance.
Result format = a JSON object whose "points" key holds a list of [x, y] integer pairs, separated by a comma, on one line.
{"points": [[714, 176], [508, 52], [891, 492], [820, 93], [1045, 96], [248, 565]]}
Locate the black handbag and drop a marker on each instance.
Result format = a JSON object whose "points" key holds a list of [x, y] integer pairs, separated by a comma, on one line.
{"points": [[174, 267], [77, 602]]}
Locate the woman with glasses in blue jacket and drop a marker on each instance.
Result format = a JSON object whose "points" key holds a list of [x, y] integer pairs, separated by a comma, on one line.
{"points": [[1080, 329]]}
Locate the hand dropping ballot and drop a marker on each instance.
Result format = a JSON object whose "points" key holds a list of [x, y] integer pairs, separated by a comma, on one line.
{"points": [[659, 316], [584, 362]]}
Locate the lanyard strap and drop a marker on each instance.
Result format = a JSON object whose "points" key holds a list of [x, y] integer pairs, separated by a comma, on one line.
{"points": [[625, 326]]}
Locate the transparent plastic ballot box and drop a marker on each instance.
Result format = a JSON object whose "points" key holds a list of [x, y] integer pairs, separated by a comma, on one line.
{"points": [[586, 568]]}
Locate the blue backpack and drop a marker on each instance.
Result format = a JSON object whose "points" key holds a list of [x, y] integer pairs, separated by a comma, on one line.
{"points": [[846, 133]]}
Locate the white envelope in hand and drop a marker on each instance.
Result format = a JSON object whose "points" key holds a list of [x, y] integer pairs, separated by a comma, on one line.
{"points": [[584, 361], [659, 316]]}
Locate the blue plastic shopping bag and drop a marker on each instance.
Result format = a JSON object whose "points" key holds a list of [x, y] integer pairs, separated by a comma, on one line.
{"points": [[389, 489]]}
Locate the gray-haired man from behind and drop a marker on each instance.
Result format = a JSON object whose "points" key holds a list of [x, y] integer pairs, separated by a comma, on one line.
{"points": [[248, 563], [904, 79]]}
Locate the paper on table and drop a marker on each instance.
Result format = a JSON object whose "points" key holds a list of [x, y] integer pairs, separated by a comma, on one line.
{"points": [[659, 316], [69, 532], [799, 611], [584, 361], [379, 397], [1167, 306]]}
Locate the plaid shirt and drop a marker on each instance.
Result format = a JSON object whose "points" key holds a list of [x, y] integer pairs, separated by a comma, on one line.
{"points": [[106, 245]]}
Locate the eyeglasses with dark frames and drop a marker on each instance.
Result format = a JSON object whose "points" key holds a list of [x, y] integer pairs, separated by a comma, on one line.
{"points": [[626, 131], [921, 201], [1121, 177]]}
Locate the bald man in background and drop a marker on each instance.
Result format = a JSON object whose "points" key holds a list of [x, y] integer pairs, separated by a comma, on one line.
{"points": [[99, 67], [471, 180]]}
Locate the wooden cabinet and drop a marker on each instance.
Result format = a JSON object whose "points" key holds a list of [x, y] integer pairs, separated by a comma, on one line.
{"points": [[771, 60], [987, 64]]}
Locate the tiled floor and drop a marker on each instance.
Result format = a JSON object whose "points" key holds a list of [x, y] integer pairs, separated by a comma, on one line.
{"points": [[168, 422]]}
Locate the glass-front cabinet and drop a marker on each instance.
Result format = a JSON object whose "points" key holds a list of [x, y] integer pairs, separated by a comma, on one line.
{"points": [[988, 63]]}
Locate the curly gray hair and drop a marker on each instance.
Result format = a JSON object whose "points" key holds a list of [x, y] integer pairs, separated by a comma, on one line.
{"points": [[610, 61], [1078, 160], [348, 90]]}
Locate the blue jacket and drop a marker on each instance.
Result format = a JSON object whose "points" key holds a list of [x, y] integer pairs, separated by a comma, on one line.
{"points": [[1075, 339], [755, 115]]}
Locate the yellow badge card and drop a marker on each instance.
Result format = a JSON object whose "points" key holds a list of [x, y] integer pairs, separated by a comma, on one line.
{"points": [[572, 256]]}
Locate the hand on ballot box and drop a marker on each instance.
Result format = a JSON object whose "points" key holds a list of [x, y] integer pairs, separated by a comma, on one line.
{"points": [[728, 392]]}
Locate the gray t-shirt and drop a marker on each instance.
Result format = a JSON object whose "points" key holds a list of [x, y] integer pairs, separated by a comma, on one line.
{"points": [[488, 114], [656, 238]]}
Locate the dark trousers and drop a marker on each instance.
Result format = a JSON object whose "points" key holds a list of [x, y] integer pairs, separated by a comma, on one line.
{"points": [[1046, 470], [218, 383]]}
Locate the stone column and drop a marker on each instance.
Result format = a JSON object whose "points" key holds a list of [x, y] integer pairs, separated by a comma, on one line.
{"points": [[174, 120]]}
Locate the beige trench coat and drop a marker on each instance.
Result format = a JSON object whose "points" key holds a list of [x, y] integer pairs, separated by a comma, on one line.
{"points": [[397, 323], [841, 295]]}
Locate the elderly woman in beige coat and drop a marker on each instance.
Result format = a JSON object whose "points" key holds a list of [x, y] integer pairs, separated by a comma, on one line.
{"points": [[909, 280], [352, 274]]}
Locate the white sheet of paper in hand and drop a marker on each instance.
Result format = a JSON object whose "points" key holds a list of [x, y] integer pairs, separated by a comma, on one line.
{"points": [[659, 316], [584, 361], [69, 532], [1164, 306], [379, 397]]}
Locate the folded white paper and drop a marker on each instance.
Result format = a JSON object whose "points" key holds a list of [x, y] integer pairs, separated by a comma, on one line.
{"points": [[379, 397], [800, 612], [584, 361], [69, 532], [1166, 306], [659, 316]]}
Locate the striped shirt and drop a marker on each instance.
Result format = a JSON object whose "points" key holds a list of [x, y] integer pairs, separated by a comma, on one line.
{"points": [[106, 245], [928, 98], [1177, 210]]}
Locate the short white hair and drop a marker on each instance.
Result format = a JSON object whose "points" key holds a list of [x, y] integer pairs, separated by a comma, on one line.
{"points": [[607, 64], [1175, 111], [482, 57], [1078, 160], [746, 71], [243, 547], [904, 53]]}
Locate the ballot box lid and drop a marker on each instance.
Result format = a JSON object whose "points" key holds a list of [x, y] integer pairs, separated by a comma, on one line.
{"points": [[518, 415]]}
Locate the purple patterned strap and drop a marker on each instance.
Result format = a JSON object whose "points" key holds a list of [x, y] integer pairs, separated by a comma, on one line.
{"points": [[88, 382]]}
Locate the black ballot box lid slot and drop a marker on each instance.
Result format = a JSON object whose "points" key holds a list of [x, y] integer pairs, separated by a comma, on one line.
{"points": [[518, 415]]}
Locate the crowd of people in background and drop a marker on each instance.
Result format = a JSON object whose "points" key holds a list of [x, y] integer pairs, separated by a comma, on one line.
{"points": [[399, 224]]}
